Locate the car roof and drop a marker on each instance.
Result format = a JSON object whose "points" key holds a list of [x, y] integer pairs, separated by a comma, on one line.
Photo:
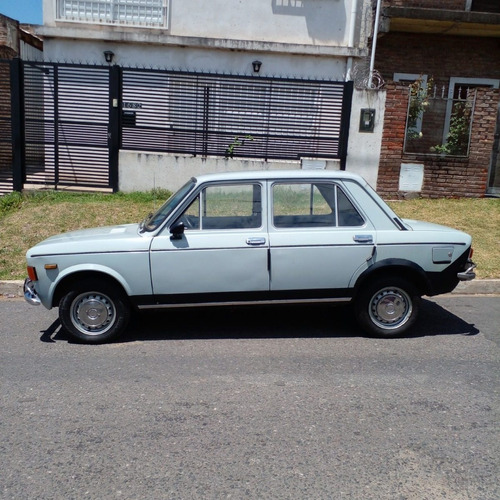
{"points": [[279, 175]]}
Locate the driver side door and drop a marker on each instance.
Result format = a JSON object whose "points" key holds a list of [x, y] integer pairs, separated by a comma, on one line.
{"points": [[223, 251]]}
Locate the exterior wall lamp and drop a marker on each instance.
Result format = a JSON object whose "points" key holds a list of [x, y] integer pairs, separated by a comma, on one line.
{"points": [[108, 55], [256, 66]]}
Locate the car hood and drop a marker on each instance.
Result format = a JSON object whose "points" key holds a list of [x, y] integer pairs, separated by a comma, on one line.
{"points": [[125, 237]]}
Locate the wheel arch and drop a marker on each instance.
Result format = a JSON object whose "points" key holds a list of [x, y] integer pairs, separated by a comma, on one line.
{"points": [[64, 285], [398, 267]]}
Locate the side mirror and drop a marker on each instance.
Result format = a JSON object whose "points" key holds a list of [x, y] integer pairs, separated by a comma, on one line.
{"points": [[177, 230]]}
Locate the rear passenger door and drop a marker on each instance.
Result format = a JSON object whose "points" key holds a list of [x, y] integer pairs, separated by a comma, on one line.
{"points": [[318, 238]]}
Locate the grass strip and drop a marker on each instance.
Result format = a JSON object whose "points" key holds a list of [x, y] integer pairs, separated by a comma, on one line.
{"points": [[26, 219]]}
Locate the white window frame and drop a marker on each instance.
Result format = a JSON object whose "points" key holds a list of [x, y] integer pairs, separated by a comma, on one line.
{"points": [[93, 18], [456, 80]]}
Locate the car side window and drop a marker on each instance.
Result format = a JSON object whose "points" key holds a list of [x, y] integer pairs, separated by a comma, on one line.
{"points": [[225, 206], [303, 205], [312, 204], [348, 215]]}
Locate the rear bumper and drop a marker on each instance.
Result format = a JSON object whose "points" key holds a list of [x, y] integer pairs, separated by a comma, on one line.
{"points": [[469, 273], [446, 281], [30, 294]]}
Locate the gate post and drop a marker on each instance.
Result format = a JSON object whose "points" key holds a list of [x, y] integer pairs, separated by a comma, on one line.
{"points": [[114, 130], [345, 122], [17, 113]]}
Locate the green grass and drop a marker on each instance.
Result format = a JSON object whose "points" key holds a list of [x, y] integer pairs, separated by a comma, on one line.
{"points": [[29, 218], [480, 217], [25, 220]]}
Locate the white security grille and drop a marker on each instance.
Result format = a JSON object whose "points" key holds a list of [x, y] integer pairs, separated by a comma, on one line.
{"points": [[149, 13]]}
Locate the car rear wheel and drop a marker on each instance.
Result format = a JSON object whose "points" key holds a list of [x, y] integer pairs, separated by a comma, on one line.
{"points": [[94, 311], [388, 307]]}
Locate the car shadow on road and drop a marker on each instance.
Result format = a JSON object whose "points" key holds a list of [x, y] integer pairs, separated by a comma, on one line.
{"points": [[277, 321]]}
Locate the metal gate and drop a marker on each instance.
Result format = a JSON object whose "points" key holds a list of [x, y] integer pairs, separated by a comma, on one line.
{"points": [[66, 115], [63, 125], [237, 116], [6, 158]]}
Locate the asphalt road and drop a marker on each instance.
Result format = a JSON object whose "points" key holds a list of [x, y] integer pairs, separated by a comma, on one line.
{"points": [[258, 403]]}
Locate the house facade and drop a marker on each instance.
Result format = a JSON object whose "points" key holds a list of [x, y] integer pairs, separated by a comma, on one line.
{"points": [[447, 53], [140, 94], [289, 37], [268, 41]]}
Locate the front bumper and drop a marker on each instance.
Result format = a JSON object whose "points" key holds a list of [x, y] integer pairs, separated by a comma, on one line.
{"points": [[30, 294], [469, 273]]}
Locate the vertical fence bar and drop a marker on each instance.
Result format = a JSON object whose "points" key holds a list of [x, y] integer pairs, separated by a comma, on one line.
{"points": [[114, 133], [206, 110], [56, 125], [18, 138], [268, 121]]}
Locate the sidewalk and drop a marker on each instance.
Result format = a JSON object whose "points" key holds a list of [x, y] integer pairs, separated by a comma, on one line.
{"points": [[13, 289]]}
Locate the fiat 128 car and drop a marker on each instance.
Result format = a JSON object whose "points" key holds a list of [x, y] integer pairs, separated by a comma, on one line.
{"points": [[251, 238]]}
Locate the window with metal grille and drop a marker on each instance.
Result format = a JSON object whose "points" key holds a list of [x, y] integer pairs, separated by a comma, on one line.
{"points": [[444, 117], [147, 13]]}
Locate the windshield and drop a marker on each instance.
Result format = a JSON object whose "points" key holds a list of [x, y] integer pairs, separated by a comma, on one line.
{"points": [[153, 221]]}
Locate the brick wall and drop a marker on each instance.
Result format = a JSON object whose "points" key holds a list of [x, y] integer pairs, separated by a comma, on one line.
{"points": [[391, 151], [443, 176], [440, 57], [7, 52]]}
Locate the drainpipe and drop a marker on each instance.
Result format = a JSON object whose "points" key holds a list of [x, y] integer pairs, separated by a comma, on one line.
{"points": [[374, 44], [352, 33]]}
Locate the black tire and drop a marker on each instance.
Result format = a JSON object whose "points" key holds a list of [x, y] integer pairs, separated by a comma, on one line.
{"points": [[387, 306], [94, 311]]}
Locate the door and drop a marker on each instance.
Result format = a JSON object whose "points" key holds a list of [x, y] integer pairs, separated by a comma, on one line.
{"points": [[223, 253], [494, 177], [318, 238]]}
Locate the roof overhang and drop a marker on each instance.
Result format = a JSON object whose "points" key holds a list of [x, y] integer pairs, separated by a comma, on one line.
{"points": [[440, 21]]}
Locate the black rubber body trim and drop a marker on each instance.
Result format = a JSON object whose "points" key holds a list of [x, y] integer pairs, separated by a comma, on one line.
{"points": [[343, 294]]}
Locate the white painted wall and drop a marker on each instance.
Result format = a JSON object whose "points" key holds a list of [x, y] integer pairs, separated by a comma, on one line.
{"points": [[196, 59], [143, 171], [363, 152], [310, 22], [289, 21], [296, 38]]}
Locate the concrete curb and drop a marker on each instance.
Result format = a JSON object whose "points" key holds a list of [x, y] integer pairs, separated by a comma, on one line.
{"points": [[13, 289]]}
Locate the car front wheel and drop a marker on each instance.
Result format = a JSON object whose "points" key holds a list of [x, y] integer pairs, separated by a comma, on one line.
{"points": [[94, 312], [388, 307]]}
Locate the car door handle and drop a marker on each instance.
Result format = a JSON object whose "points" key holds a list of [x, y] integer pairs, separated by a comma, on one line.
{"points": [[256, 241], [363, 238]]}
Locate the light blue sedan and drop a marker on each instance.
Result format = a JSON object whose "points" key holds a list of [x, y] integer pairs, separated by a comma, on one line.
{"points": [[251, 238]]}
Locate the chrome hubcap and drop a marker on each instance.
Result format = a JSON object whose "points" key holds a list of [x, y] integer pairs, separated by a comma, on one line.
{"points": [[390, 308], [93, 313]]}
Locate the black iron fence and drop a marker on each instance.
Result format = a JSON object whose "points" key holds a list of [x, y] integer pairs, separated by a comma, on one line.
{"points": [[64, 124], [218, 115]]}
